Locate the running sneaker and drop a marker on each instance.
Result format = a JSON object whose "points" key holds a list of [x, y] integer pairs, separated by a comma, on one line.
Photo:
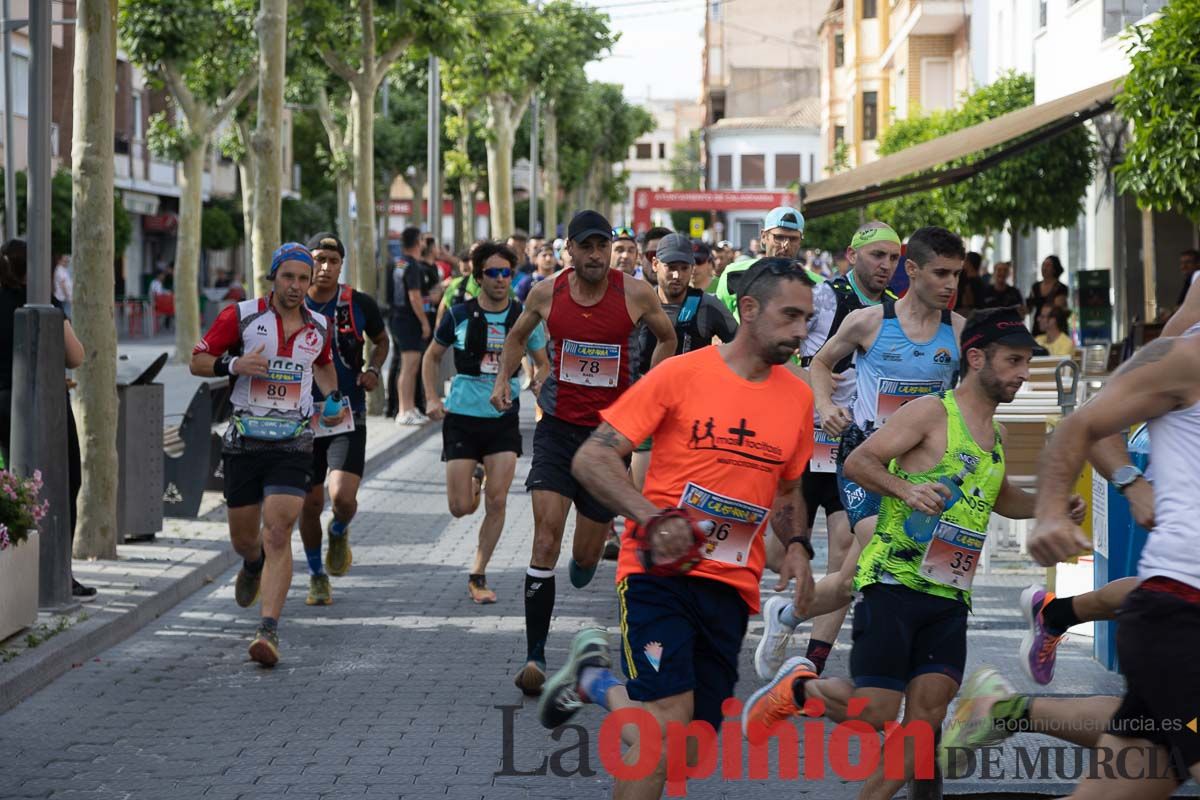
{"points": [[775, 702], [612, 545], [412, 417], [973, 725], [478, 589], [562, 698], [531, 678], [84, 594], [338, 557], [264, 648], [772, 649], [319, 592], [245, 589], [1038, 646]]}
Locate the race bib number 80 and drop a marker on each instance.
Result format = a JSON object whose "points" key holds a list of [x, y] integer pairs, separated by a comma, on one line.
{"points": [[730, 524], [279, 388], [589, 364]]}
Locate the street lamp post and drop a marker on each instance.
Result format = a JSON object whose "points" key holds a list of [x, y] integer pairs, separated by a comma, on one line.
{"points": [[434, 151]]}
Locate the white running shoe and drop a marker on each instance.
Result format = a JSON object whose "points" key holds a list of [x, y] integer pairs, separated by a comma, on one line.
{"points": [[412, 417], [772, 650]]}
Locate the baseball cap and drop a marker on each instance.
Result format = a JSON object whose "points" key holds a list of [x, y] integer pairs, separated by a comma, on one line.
{"points": [[675, 247], [326, 241], [784, 217], [701, 251], [1000, 326], [588, 223]]}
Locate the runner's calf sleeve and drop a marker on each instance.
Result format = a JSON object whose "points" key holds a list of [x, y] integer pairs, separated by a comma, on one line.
{"points": [[256, 566], [539, 607], [314, 560], [1059, 615]]}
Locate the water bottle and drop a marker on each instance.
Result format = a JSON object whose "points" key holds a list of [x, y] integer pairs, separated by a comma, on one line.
{"points": [[333, 405], [919, 526]]}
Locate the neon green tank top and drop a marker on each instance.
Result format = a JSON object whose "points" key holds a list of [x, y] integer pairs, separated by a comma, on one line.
{"points": [[945, 570]]}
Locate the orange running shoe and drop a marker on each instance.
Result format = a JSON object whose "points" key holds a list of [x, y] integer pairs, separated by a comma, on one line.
{"points": [[775, 702]]}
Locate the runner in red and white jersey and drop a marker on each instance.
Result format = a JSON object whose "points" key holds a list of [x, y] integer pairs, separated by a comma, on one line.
{"points": [[274, 347], [590, 312]]}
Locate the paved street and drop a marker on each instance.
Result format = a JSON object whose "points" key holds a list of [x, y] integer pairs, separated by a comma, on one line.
{"points": [[391, 692]]}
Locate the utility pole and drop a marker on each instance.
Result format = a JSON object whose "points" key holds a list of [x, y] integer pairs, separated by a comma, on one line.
{"points": [[434, 149], [10, 178], [533, 168], [39, 398]]}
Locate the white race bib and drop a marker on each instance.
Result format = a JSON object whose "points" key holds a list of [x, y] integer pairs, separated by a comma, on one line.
{"points": [[590, 364], [952, 555], [895, 393], [731, 524], [280, 388], [825, 449]]}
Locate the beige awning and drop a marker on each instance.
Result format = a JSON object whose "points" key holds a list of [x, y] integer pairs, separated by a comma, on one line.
{"points": [[915, 168]]}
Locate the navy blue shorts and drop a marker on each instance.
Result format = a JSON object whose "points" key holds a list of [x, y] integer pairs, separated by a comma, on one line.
{"points": [[858, 502], [900, 633], [681, 634]]}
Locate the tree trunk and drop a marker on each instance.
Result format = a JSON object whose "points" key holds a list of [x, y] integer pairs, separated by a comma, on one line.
{"points": [[466, 201], [363, 113], [187, 254], [246, 177], [92, 246], [417, 184], [268, 184], [550, 167], [504, 117], [345, 228]]}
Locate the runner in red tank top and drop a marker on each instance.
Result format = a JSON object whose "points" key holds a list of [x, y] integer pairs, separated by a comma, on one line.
{"points": [[590, 313]]}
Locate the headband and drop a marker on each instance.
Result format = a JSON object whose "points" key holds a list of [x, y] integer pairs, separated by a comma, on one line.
{"points": [[292, 251], [863, 238]]}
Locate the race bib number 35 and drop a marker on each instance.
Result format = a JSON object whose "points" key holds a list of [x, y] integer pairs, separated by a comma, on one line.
{"points": [[825, 448], [952, 555], [279, 388], [895, 393], [731, 524], [589, 364]]}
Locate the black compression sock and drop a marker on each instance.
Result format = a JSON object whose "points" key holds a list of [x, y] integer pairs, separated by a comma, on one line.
{"points": [[539, 607], [1059, 614], [256, 566], [818, 653]]}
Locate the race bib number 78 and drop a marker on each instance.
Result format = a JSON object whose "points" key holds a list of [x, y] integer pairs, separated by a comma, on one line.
{"points": [[590, 364]]}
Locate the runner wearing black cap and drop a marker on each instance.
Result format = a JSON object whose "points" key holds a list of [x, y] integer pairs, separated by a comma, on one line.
{"points": [[939, 464], [704, 276], [353, 317], [267, 449], [590, 312]]}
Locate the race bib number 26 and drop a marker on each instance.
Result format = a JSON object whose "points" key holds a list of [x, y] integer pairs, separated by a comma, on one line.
{"points": [[590, 364]]}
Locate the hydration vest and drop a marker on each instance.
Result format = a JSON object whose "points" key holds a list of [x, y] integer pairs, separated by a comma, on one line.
{"points": [[348, 338], [847, 301], [688, 336], [469, 359]]}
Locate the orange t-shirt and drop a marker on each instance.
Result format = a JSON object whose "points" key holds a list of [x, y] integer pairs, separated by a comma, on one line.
{"points": [[721, 446]]}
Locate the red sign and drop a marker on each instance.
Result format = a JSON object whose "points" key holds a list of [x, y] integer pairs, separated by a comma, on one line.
{"points": [[160, 223], [647, 200]]}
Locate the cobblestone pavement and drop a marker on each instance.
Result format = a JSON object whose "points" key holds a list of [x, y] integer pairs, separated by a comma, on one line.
{"points": [[402, 688]]}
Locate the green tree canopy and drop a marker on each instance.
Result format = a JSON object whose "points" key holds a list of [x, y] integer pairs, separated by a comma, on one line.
{"points": [[1160, 100], [217, 231]]}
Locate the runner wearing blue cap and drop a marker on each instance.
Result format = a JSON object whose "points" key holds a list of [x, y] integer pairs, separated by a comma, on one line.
{"points": [[782, 236], [274, 348]]}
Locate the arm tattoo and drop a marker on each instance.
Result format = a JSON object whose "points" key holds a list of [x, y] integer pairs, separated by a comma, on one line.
{"points": [[1150, 354], [784, 520], [606, 435]]}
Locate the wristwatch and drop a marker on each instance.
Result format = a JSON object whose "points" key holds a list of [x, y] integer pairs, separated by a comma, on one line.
{"points": [[373, 369], [1124, 477]]}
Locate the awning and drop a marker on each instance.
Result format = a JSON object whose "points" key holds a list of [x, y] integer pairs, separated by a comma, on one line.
{"points": [[915, 168]]}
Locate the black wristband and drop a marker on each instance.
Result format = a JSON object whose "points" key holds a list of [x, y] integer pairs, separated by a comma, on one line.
{"points": [[221, 366], [375, 369], [803, 542]]}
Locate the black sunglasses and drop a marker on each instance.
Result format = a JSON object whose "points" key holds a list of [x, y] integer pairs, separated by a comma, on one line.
{"points": [[498, 272]]}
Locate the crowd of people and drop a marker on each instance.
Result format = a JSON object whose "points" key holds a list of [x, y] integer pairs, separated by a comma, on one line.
{"points": [[714, 406]]}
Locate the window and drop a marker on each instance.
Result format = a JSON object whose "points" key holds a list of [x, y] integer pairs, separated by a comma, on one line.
{"points": [[662, 149], [839, 135], [812, 167], [137, 116], [714, 64], [644, 151], [724, 172], [937, 84], [1119, 14], [868, 9], [787, 170], [1041, 13], [714, 10], [20, 85], [753, 172], [870, 123], [839, 50]]}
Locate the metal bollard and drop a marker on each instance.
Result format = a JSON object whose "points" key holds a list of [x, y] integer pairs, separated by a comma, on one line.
{"points": [[1066, 376]]}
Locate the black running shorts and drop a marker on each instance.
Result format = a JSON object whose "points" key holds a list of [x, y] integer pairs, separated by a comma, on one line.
{"points": [[346, 452], [821, 491], [900, 633], [554, 445], [249, 477], [468, 437]]}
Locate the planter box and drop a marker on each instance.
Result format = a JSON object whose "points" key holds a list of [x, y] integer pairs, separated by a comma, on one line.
{"points": [[19, 586]]}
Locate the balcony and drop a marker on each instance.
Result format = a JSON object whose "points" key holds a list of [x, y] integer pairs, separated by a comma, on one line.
{"points": [[924, 18]]}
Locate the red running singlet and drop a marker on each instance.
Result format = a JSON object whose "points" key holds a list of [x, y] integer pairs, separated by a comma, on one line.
{"points": [[590, 364]]}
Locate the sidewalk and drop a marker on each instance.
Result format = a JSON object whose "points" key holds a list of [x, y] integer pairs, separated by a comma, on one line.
{"points": [[147, 580]]}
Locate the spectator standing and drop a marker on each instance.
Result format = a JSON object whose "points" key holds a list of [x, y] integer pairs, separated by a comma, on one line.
{"points": [[1000, 294], [63, 283], [1048, 291], [410, 327], [545, 265], [971, 290], [1189, 263]]}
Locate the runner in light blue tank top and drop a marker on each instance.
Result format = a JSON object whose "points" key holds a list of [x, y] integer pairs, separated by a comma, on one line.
{"points": [[897, 369]]}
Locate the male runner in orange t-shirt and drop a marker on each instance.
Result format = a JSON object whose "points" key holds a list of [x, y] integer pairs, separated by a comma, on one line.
{"points": [[732, 432]]}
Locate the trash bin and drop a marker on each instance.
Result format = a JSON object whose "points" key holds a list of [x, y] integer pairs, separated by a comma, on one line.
{"points": [[1117, 540], [139, 455]]}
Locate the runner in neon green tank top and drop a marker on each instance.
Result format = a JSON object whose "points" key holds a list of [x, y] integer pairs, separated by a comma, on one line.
{"points": [[893, 556], [910, 625]]}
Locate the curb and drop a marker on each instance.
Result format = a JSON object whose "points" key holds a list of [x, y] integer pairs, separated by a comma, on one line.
{"points": [[36, 668]]}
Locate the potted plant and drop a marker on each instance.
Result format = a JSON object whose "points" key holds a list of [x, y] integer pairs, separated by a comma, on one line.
{"points": [[20, 513]]}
